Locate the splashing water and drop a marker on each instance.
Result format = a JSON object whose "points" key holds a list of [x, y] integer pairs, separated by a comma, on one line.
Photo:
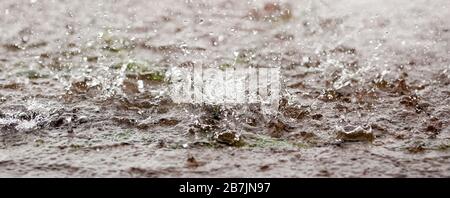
{"points": [[36, 115]]}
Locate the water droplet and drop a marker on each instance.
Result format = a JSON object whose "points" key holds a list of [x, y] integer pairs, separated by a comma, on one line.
{"points": [[305, 59], [25, 39], [140, 86]]}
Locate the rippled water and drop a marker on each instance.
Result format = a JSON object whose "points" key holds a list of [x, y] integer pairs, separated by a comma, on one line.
{"points": [[85, 88]]}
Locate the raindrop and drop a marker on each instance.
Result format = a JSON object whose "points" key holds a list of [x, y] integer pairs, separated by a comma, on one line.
{"points": [[140, 86], [25, 39]]}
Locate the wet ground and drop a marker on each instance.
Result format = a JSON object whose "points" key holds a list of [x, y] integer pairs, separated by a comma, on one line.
{"points": [[83, 92]]}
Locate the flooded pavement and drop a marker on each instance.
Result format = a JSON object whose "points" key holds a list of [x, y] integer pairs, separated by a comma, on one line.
{"points": [[83, 90]]}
